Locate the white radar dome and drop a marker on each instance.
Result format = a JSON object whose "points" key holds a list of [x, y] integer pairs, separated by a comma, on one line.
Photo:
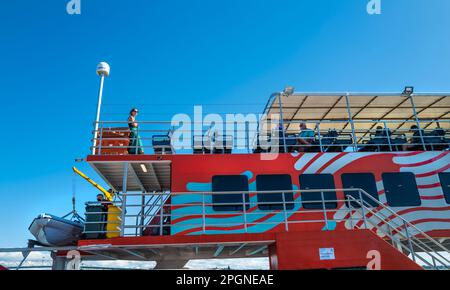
{"points": [[103, 69]]}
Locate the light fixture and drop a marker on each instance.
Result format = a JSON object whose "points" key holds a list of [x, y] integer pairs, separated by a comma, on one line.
{"points": [[144, 169], [408, 91], [289, 90]]}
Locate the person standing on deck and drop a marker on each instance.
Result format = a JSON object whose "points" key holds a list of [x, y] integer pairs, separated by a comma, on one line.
{"points": [[135, 146]]}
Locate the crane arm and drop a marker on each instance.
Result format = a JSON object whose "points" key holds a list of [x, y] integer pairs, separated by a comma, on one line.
{"points": [[109, 196]]}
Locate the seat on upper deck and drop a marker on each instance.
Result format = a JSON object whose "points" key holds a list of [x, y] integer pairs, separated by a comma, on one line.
{"points": [[327, 141], [223, 144], [436, 140], [162, 144]]}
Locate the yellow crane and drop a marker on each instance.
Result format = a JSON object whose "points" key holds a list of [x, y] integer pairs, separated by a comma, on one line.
{"points": [[113, 216], [108, 195]]}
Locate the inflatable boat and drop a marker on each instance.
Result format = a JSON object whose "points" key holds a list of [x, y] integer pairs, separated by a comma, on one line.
{"points": [[50, 230]]}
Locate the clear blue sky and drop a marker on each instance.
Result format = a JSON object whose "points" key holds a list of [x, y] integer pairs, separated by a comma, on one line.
{"points": [[184, 52]]}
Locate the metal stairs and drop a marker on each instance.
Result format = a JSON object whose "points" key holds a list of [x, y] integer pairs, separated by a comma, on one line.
{"points": [[393, 228]]}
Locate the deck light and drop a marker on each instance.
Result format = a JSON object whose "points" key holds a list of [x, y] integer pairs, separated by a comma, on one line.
{"points": [[144, 169], [289, 90], [408, 91]]}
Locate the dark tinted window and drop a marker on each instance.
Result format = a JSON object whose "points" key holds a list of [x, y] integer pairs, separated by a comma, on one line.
{"points": [[365, 181], [444, 177], [272, 182], [401, 189], [224, 183], [313, 200]]}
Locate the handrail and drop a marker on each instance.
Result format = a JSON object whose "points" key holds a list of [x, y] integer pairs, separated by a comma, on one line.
{"points": [[370, 216], [411, 239], [392, 137], [403, 220]]}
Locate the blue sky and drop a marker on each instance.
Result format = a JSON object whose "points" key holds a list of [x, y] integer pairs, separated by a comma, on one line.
{"points": [[166, 56]]}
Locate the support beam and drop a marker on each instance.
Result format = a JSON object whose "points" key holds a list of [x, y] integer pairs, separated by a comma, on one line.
{"points": [[416, 116], [383, 117], [331, 108], [133, 253], [360, 109], [219, 250], [283, 131], [254, 252], [296, 112], [124, 197], [352, 125], [237, 249], [95, 253], [135, 176], [420, 111]]}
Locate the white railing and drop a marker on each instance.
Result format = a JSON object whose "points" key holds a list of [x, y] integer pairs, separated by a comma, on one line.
{"points": [[157, 137]]}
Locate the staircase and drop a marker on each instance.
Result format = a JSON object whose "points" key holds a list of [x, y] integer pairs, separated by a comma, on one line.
{"points": [[148, 213], [393, 228]]}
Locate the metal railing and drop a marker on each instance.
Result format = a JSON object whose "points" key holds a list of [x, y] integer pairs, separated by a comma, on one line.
{"points": [[403, 235], [157, 137], [198, 212]]}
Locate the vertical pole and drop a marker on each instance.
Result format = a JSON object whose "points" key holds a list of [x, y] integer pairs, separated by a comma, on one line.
{"points": [[350, 212], [247, 137], [286, 226], [388, 137], [362, 209], [417, 121], [352, 124], [282, 122], [124, 197], [319, 136], [324, 210], [99, 149], [203, 213], [97, 118], [244, 209], [411, 249], [142, 212], [161, 216]]}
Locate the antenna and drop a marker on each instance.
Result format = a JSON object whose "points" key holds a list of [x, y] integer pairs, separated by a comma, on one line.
{"points": [[102, 71]]}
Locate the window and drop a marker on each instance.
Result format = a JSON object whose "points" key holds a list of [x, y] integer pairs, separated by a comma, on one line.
{"points": [[444, 177], [365, 181], [401, 189], [272, 182], [313, 200], [224, 183]]}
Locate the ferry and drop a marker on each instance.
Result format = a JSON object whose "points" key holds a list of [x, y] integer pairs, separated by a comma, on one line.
{"points": [[367, 188]]}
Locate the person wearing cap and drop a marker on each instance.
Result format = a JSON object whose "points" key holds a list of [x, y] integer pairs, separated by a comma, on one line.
{"points": [[135, 146]]}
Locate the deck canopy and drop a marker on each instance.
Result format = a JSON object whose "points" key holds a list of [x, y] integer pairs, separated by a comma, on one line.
{"points": [[364, 110], [144, 176]]}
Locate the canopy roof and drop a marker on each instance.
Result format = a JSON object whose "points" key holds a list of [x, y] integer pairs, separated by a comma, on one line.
{"points": [[365, 108]]}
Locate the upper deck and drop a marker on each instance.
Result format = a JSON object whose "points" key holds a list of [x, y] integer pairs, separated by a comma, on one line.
{"points": [[340, 122]]}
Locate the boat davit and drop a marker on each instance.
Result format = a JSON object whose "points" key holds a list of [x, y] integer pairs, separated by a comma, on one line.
{"points": [[50, 230]]}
